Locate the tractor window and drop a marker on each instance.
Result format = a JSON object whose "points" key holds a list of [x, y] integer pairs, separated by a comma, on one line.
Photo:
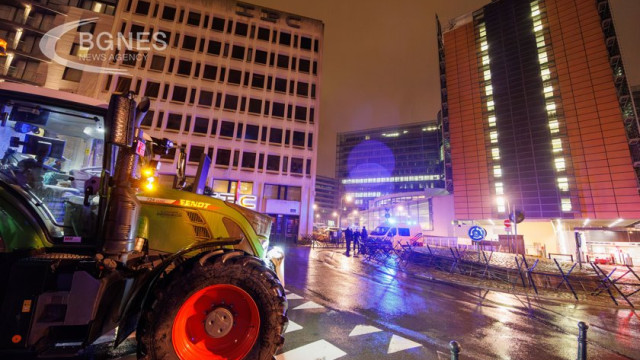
{"points": [[50, 147]]}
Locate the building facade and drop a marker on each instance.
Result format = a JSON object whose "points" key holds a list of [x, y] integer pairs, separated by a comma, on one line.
{"points": [[396, 159], [327, 193], [237, 82], [539, 118]]}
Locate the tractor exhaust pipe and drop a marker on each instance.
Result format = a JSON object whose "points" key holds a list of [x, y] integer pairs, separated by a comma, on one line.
{"points": [[123, 208]]}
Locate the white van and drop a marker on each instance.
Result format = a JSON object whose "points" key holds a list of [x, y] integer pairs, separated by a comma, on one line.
{"points": [[398, 234]]}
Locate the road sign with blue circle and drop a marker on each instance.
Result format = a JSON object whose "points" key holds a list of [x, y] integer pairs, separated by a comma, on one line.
{"points": [[477, 233]]}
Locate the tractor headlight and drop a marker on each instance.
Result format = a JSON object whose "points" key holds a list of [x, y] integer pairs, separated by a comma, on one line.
{"points": [[276, 256], [276, 253]]}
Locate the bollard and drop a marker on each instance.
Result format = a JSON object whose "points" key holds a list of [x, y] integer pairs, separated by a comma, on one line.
{"points": [[582, 340], [455, 349]]}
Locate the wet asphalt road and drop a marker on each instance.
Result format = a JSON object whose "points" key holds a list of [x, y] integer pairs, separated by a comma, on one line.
{"points": [[423, 317], [333, 298]]}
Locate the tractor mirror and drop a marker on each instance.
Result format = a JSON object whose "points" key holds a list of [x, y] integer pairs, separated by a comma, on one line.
{"points": [[181, 168]]}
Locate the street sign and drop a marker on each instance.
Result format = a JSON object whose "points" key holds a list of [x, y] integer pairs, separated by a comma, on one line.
{"points": [[507, 223], [476, 233]]}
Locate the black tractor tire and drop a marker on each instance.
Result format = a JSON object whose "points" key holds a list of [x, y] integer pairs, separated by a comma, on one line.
{"points": [[249, 273]]}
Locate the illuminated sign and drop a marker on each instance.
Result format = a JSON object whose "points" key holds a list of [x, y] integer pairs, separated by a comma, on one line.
{"points": [[268, 15], [245, 200]]}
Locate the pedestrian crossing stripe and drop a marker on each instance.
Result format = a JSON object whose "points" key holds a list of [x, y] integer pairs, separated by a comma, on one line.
{"points": [[320, 349], [308, 305], [363, 330], [292, 327], [398, 343], [292, 296]]}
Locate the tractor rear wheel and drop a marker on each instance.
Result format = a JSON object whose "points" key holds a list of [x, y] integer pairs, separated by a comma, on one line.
{"points": [[231, 307]]}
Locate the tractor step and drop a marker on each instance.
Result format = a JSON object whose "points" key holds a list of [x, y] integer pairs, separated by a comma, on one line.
{"points": [[62, 350]]}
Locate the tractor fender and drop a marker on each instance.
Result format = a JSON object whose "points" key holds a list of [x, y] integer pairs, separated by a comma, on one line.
{"points": [[139, 295]]}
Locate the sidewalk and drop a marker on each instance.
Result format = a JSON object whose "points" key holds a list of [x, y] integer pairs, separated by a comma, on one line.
{"points": [[423, 272]]}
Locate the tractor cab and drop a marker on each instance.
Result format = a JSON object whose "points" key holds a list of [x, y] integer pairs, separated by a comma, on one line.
{"points": [[50, 152]]}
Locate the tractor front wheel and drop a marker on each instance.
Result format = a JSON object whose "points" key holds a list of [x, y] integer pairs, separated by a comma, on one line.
{"points": [[231, 307]]}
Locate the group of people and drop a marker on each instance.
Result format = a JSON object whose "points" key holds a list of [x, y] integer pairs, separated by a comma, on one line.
{"points": [[355, 236]]}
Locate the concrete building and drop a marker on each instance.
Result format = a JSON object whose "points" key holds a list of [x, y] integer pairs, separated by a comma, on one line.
{"points": [[539, 118], [235, 81], [391, 160]]}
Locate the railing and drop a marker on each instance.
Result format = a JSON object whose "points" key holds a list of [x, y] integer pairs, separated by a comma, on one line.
{"points": [[621, 282]]}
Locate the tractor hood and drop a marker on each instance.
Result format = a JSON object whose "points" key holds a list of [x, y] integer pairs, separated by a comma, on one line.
{"points": [[175, 219]]}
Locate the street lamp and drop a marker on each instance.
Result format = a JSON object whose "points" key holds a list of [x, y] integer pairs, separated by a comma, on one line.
{"points": [[347, 198]]}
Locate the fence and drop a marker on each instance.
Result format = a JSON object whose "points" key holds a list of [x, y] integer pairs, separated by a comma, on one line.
{"points": [[621, 283]]}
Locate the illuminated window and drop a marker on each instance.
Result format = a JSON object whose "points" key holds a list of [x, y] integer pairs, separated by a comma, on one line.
{"points": [[485, 60], [499, 188], [495, 153], [487, 74], [488, 90], [563, 184], [542, 57], [493, 136], [560, 164], [554, 127], [565, 204], [484, 46], [546, 74], [556, 144], [497, 171], [492, 121], [551, 107]]}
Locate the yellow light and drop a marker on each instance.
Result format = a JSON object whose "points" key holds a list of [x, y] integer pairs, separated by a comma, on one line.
{"points": [[146, 172], [149, 186]]}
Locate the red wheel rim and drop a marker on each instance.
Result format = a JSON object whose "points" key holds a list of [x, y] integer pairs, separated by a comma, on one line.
{"points": [[230, 340]]}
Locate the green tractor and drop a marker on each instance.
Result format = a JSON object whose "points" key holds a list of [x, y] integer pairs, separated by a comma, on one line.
{"points": [[91, 244]]}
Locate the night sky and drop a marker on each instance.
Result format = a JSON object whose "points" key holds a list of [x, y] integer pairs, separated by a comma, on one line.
{"points": [[380, 60]]}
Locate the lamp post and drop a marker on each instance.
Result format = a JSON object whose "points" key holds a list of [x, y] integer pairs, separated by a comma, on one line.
{"points": [[501, 201], [343, 200]]}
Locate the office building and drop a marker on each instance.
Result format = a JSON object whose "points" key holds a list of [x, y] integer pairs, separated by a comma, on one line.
{"points": [[396, 159], [539, 117], [234, 81], [327, 193]]}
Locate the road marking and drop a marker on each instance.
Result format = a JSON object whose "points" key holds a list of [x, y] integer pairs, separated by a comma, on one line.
{"points": [[292, 327], [309, 305], [292, 296], [320, 349], [398, 343], [363, 329]]}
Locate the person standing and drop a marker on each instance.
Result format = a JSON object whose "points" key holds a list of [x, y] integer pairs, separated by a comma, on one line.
{"points": [[348, 235], [363, 237]]}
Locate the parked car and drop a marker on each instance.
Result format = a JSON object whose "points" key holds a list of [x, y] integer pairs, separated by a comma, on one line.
{"points": [[398, 234]]}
